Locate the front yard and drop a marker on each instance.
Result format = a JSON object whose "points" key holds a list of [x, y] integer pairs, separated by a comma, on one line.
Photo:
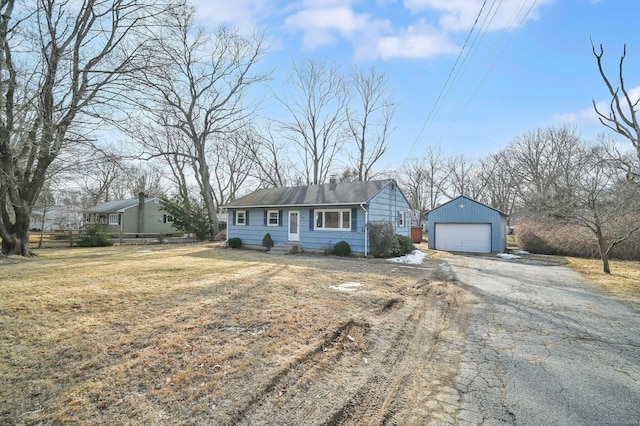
{"points": [[181, 334]]}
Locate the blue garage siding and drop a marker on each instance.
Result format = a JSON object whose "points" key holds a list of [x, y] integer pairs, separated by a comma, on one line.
{"points": [[387, 204], [471, 212]]}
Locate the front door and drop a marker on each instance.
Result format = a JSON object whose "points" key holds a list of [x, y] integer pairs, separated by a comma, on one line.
{"points": [[294, 225]]}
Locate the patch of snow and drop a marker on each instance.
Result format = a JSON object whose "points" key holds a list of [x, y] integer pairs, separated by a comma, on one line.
{"points": [[520, 252], [508, 256], [414, 258], [350, 286]]}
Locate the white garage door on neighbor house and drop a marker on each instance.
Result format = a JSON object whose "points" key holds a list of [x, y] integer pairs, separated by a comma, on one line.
{"points": [[471, 237]]}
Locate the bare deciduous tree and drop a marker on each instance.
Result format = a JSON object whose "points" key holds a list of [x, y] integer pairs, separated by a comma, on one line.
{"points": [[98, 176], [369, 120], [198, 88], [423, 181], [541, 159], [594, 198], [463, 178], [317, 106], [61, 63], [271, 166], [622, 115], [501, 190], [230, 164]]}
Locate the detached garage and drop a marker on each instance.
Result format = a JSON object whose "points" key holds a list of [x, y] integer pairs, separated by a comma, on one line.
{"points": [[463, 224]]}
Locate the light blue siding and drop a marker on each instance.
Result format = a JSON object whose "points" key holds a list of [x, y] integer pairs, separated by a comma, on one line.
{"points": [[465, 210], [387, 205], [255, 230], [384, 206]]}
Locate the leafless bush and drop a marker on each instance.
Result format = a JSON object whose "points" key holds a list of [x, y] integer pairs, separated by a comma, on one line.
{"points": [[570, 240], [382, 239]]}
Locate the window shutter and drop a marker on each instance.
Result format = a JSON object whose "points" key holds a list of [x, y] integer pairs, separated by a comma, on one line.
{"points": [[265, 218], [354, 219], [280, 212], [246, 217], [311, 219], [399, 214], [233, 217]]}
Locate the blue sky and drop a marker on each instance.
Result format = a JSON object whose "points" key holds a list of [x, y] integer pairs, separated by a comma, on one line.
{"points": [[530, 65]]}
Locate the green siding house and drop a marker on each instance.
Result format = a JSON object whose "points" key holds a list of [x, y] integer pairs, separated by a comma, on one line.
{"points": [[140, 215], [318, 216]]}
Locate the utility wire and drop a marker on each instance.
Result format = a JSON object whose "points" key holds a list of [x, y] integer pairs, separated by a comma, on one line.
{"points": [[463, 107], [437, 102]]}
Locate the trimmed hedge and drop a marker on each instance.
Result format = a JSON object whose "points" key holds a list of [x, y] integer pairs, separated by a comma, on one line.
{"points": [[342, 249], [234, 242], [267, 241]]}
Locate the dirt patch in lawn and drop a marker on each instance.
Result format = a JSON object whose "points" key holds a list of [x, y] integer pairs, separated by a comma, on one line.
{"points": [[201, 335]]}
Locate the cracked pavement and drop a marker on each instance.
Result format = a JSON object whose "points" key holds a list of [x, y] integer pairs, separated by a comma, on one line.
{"points": [[544, 347]]}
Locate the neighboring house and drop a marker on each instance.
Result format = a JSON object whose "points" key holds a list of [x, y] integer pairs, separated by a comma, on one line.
{"points": [[318, 216], [140, 215], [463, 224], [57, 218]]}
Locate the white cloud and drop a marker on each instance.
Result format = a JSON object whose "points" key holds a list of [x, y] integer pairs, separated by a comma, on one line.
{"points": [[460, 15], [589, 116], [244, 14], [372, 38], [415, 42], [321, 26]]}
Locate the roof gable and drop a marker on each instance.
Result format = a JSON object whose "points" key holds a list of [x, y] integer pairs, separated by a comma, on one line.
{"points": [[468, 199], [344, 193]]}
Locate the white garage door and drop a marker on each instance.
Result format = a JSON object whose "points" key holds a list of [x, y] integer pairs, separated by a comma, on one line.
{"points": [[472, 237]]}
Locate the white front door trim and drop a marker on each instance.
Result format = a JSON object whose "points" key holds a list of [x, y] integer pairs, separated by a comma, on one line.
{"points": [[294, 225]]}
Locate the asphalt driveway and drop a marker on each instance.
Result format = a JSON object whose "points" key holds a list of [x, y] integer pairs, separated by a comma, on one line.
{"points": [[544, 348]]}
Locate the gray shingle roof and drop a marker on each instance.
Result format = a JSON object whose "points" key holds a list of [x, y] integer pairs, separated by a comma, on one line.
{"points": [[115, 205], [344, 193]]}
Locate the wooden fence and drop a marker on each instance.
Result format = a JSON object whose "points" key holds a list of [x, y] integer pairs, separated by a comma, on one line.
{"points": [[71, 238]]}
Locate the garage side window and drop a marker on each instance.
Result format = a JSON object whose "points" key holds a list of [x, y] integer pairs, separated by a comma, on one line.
{"points": [[401, 219]]}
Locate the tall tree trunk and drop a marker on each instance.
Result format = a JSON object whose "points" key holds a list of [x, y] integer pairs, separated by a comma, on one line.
{"points": [[207, 195], [604, 255], [15, 237]]}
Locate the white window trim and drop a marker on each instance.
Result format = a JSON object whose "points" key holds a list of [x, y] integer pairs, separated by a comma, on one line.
{"points": [[113, 216], [269, 213], [244, 217], [402, 220], [324, 221]]}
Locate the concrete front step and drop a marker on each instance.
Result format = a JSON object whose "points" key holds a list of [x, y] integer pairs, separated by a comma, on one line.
{"points": [[285, 249]]}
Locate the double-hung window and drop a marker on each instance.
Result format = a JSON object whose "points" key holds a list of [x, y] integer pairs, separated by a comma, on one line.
{"points": [[241, 217], [114, 219], [333, 220], [273, 218], [401, 219]]}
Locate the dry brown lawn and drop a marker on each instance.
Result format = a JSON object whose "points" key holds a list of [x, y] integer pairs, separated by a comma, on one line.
{"points": [[623, 282], [195, 334]]}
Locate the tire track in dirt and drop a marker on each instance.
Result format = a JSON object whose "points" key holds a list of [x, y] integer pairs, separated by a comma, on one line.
{"points": [[384, 369]]}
